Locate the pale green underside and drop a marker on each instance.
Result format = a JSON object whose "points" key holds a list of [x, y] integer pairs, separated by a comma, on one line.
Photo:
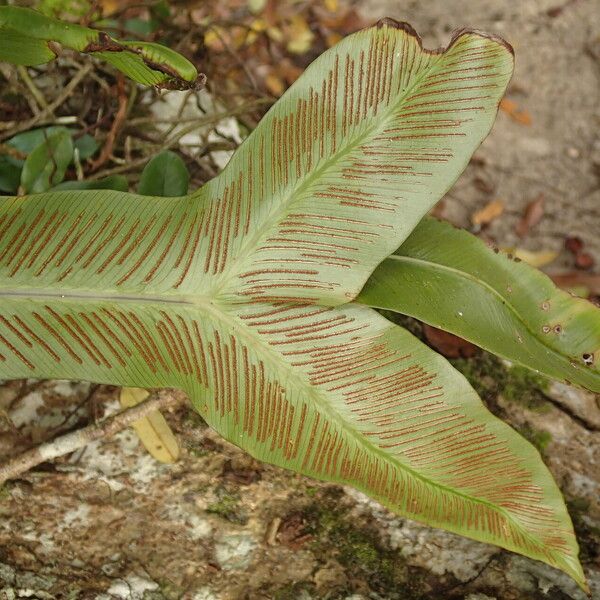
{"points": [[239, 293]]}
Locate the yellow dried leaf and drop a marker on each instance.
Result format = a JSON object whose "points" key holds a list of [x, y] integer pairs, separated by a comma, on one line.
{"points": [[212, 40], [488, 213], [535, 259], [259, 25], [239, 36], [275, 34], [275, 84], [109, 7], [333, 38], [256, 6], [331, 5], [299, 34], [153, 430]]}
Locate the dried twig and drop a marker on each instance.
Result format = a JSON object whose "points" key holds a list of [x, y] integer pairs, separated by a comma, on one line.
{"points": [[70, 442], [37, 95], [174, 139], [38, 119], [115, 128]]}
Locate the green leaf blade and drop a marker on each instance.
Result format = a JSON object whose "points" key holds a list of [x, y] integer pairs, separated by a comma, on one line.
{"points": [[112, 182], [350, 159], [296, 387], [19, 49], [10, 174], [233, 293], [46, 165], [165, 175], [450, 279]]}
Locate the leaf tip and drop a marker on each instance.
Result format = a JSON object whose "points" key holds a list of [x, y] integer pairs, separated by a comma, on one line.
{"points": [[456, 35], [403, 25]]}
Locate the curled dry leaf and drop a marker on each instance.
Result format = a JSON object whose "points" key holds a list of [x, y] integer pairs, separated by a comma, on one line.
{"points": [[491, 211], [153, 430], [574, 244], [448, 344], [538, 259], [584, 261], [532, 215], [511, 108]]}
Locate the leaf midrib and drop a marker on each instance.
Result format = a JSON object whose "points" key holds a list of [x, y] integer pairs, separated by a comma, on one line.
{"points": [[217, 313], [282, 207]]}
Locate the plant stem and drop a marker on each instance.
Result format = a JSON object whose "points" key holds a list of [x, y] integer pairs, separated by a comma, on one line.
{"points": [[46, 112], [65, 444], [174, 139], [37, 95]]}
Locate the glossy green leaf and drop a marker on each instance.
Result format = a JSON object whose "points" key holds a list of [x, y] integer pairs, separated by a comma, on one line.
{"points": [[54, 8], [28, 140], [452, 280], [86, 145], [47, 163], [112, 182], [10, 174], [26, 34], [240, 293], [165, 175], [19, 49]]}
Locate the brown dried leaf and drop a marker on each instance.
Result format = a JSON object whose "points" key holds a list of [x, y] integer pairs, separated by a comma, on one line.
{"points": [[511, 108], [275, 84], [537, 259], [532, 215], [574, 244], [448, 344], [585, 284], [293, 532], [584, 261]]}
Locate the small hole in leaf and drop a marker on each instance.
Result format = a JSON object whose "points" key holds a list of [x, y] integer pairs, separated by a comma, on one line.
{"points": [[588, 359], [557, 329]]}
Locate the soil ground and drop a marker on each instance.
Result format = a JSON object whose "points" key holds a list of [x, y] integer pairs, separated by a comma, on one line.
{"points": [[110, 522]]}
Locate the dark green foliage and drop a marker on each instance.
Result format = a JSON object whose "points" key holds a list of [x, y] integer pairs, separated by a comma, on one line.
{"points": [[47, 164], [165, 175]]}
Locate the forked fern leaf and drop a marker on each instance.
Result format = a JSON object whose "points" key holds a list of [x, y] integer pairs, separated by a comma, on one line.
{"points": [[241, 293]]}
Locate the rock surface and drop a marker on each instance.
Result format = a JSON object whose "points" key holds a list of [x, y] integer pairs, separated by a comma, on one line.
{"points": [[110, 522]]}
